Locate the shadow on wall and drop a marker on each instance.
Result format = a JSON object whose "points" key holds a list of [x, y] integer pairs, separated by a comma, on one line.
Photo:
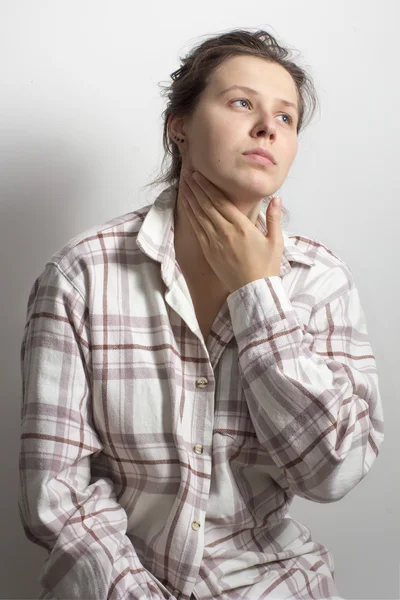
{"points": [[43, 189]]}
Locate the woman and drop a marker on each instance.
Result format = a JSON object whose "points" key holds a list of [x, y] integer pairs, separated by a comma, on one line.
{"points": [[189, 369]]}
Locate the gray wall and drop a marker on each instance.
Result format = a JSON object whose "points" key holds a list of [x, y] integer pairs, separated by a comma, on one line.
{"points": [[81, 134]]}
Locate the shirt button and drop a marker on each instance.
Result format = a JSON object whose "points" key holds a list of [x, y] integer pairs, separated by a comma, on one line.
{"points": [[196, 525], [198, 448], [202, 382], [176, 593]]}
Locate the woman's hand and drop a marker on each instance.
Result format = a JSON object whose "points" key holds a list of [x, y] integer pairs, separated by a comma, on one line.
{"points": [[236, 250]]}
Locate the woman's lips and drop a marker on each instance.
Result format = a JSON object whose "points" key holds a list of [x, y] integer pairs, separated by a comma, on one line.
{"points": [[262, 160]]}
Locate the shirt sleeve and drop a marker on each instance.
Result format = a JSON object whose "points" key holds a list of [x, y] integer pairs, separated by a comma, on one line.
{"points": [[79, 522], [312, 391]]}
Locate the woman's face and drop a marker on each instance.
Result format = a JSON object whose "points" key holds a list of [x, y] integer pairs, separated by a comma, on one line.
{"points": [[225, 125]]}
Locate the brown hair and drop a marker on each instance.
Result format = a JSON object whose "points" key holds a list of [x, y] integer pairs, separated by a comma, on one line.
{"points": [[192, 77]]}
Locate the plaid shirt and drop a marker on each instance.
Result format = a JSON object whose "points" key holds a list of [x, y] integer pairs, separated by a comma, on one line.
{"points": [[156, 465]]}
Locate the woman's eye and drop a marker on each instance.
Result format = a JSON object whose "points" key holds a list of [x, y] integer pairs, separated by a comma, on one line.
{"points": [[289, 121], [241, 100]]}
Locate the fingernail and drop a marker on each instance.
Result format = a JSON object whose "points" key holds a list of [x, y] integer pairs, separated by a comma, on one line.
{"points": [[277, 201]]}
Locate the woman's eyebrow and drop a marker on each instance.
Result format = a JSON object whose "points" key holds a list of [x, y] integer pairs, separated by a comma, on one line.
{"points": [[252, 91]]}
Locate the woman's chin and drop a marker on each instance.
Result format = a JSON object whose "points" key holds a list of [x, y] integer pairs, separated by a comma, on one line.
{"points": [[256, 189], [244, 186]]}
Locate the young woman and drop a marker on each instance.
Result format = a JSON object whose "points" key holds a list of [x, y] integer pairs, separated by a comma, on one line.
{"points": [[188, 368]]}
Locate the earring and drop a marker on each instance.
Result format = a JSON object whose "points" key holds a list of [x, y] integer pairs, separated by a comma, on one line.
{"points": [[182, 140]]}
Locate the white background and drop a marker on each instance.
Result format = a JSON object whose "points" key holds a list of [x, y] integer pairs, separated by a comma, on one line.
{"points": [[80, 135]]}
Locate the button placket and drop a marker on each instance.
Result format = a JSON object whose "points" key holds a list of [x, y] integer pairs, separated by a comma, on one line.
{"points": [[201, 382], [198, 448]]}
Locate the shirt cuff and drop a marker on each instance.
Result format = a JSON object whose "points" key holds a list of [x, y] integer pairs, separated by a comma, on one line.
{"points": [[262, 308]]}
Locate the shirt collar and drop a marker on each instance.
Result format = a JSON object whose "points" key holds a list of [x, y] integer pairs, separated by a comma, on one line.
{"points": [[156, 235]]}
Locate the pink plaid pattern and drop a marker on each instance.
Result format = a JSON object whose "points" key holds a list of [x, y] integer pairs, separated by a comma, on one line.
{"points": [[155, 464]]}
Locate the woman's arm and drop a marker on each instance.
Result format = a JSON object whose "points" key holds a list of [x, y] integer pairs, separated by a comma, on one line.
{"points": [[80, 523], [312, 392]]}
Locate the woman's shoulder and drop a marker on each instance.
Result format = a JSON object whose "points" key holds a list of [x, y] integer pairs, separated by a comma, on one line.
{"points": [[318, 251], [84, 241], [96, 244], [330, 275]]}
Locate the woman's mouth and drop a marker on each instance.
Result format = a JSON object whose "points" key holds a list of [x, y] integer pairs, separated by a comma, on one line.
{"points": [[262, 160]]}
